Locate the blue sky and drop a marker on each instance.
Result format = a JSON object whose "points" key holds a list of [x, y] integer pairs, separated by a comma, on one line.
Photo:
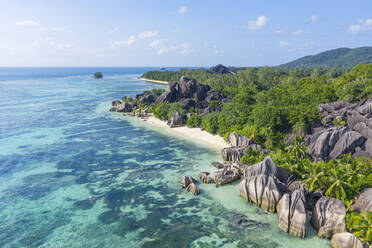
{"points": [[177, 33]]}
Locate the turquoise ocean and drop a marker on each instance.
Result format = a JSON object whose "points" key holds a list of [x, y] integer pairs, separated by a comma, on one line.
{"points": [[72, 174]]}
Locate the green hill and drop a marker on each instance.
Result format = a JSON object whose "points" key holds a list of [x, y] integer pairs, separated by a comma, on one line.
{"points": [[344, 57]]}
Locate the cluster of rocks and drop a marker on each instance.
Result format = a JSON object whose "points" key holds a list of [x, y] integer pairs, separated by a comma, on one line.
{"points": [[239, 146], [186, 91], [272, 189], [352, 135], [129, 107], [193, 95]]}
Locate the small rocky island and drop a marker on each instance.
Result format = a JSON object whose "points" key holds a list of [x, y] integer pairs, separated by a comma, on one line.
{"points": [[98, 75]]}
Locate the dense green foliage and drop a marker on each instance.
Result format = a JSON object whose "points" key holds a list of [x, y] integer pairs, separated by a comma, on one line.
{"points": [[360, 225], [165, 110], [341, 57], [155, 92]]}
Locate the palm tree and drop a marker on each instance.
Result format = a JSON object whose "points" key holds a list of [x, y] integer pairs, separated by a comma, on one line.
{"points": [[297, 150], [339, 187], [314, 176]]}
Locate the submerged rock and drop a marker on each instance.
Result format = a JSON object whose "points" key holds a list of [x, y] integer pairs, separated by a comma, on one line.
{"points": [[363, 201], [218, 165], [242, 221], [262, 190], [292, 213], [192, 187], [345, 240], [186, 181], [329, 217]]}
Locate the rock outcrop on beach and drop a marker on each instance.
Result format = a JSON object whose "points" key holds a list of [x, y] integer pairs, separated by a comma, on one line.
{"points": [[239, 146], [228, 174], [176, 120], [345, 240], [118, 106], [262, 190], [292, 214], [345, 128], [221, 69], [329, 217], [363, 201], [192, 94]]}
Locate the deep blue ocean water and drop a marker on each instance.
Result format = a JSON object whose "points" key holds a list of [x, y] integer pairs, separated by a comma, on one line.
{"points": [[73, 174]]}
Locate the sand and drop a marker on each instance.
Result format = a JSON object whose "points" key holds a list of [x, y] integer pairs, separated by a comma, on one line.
{"points": [[193, 134], [154, 81]]}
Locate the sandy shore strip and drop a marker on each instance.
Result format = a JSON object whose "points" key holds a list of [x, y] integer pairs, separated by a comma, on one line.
{"points": [[195, 135], [154, 81]]}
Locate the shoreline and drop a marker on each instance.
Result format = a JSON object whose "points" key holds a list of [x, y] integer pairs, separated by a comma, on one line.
{"points": [[153, 81], [195, 135]]}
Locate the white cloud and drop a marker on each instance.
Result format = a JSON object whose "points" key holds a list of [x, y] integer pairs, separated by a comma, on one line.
{"points": [[298, 32], [304, 46], [307, 45], [127, 42], [278, 31], [148, 34], [133, 38], [219, 51], [58, 29], [283, 43], [313, 18], [156, 43], [363, 25], [112, 31], [183, 48], [260, 22], [27, 23], [183, 10]]}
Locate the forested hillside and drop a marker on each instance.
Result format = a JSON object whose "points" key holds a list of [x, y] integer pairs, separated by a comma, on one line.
{"points": [[341, 57]]}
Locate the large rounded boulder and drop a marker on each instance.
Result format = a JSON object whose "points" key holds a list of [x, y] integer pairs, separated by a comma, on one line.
{"points": [[329, 217], [345, 240], [363, 201]]}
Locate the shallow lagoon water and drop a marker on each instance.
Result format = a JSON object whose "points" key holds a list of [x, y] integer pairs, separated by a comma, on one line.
{"points": [[59, 146]]}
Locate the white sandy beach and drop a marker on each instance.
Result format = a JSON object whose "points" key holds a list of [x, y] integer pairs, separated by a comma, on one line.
{"points": [[154, 81], [193, 134]]}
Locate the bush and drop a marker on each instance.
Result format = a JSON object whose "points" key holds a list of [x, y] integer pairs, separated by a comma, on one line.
{"points": [[194, 121], [155, 92], [252, 157], [165, 110], [360, 225], [210, 123]]}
